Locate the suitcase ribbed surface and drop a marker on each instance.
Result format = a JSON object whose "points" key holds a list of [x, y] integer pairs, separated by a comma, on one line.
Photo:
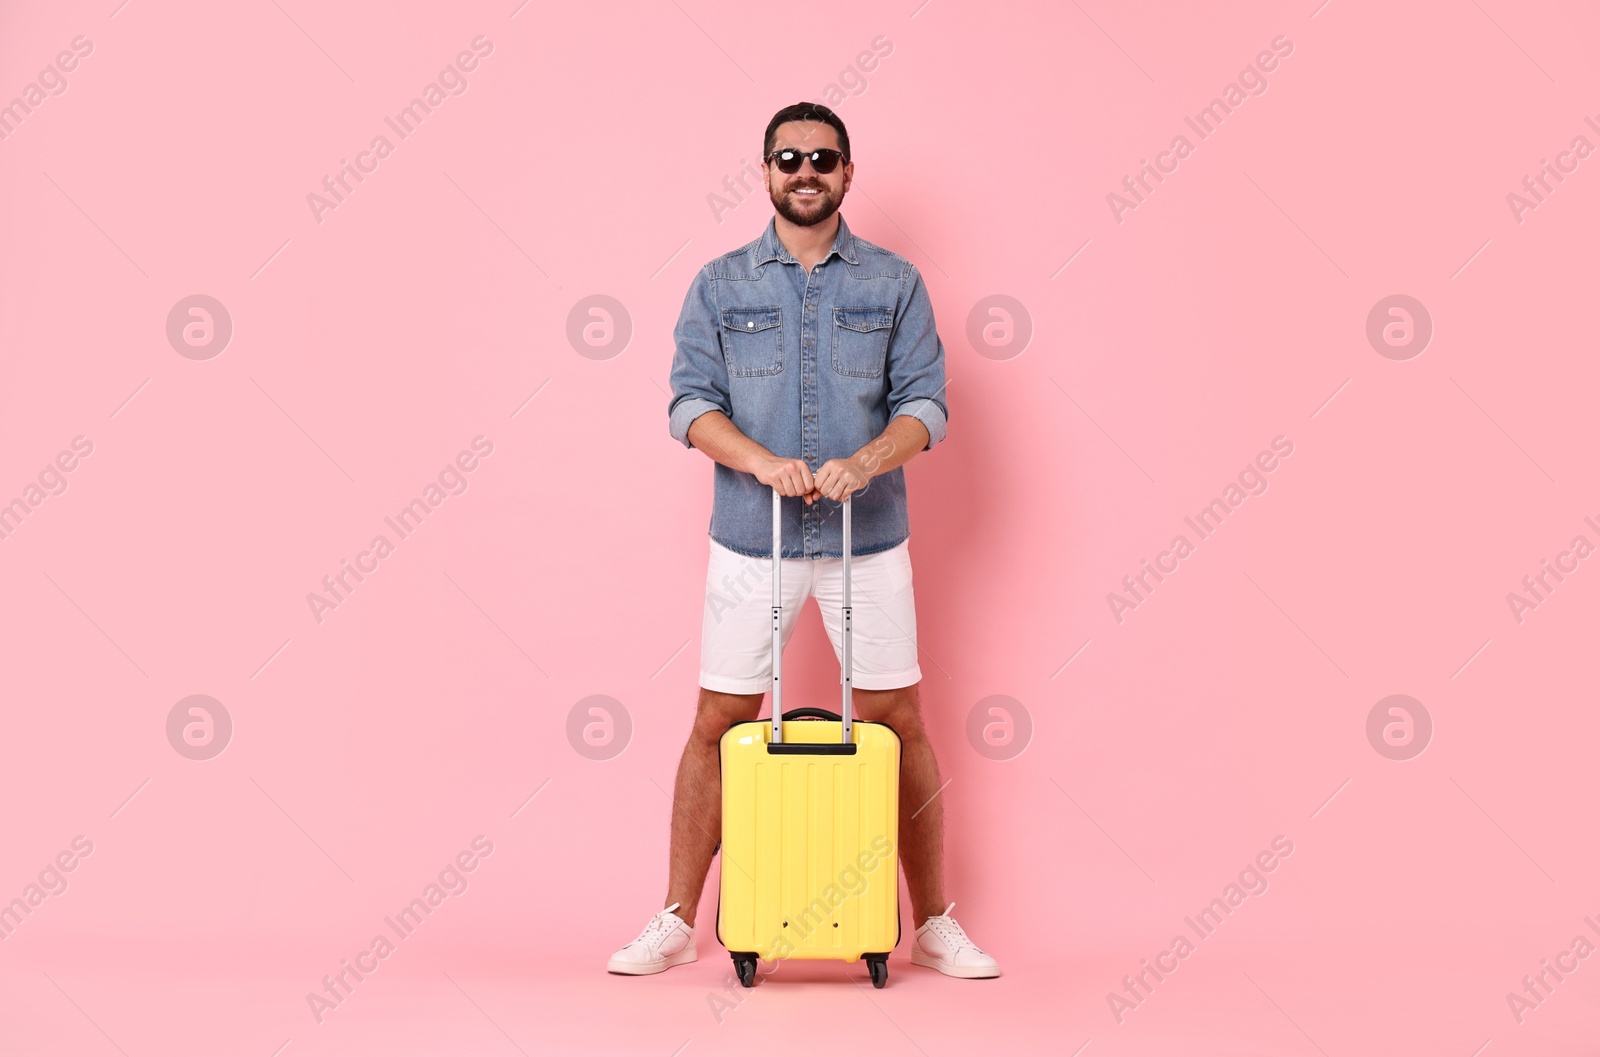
{"points": [[810, 844]]}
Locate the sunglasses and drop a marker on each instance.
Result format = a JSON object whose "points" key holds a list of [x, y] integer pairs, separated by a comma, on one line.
{"points": [[823, 160]]}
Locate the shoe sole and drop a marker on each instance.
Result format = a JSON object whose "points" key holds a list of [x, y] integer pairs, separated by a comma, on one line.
{"points": [[688, 954], [965, 972]]}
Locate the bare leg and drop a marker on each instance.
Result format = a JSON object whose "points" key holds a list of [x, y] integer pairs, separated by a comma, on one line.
{"points": [[697, 797], [921, 837]]}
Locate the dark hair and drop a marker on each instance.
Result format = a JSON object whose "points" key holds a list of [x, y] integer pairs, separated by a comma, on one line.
{"points": [[805, 112]]}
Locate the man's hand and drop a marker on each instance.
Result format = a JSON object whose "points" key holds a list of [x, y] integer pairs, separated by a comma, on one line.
{"points": [[790, 477], [838, 478]]}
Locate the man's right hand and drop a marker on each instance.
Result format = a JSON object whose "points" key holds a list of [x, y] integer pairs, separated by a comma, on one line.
{"points": [[791, 477]]}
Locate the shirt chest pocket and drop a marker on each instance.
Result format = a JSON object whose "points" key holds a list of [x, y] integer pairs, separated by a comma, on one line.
{"points": [[752, 340], [861, 340]]}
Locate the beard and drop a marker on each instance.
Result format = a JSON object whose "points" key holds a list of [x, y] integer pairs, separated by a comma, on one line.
{"points": [[803, 212]]}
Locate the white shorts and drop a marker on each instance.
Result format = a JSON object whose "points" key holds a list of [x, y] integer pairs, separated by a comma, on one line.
{"points": [[736, 632]]}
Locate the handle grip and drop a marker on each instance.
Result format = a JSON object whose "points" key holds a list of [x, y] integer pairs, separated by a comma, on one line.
{"points": [[810, 713]]}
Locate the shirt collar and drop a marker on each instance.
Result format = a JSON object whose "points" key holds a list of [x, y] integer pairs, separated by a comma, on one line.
{"points": [[771, 248]]}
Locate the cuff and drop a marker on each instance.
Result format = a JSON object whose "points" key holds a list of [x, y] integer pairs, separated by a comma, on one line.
{"points": [[930, 414], [684, 414]]}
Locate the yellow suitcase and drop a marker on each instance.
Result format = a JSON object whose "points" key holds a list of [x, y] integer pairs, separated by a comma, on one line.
{"points": [[810, 823]]}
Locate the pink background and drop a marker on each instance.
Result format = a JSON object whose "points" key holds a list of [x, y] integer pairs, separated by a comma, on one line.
{"points": [[1167, 349]]}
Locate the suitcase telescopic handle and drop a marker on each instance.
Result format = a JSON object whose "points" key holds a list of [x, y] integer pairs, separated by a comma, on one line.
{"points": [[846, 665]]}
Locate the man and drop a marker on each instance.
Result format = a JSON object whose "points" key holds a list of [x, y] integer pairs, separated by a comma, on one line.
{"points": [[807, 361]]}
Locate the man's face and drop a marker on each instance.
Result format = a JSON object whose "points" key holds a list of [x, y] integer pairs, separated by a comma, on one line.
{"points": [[788, 189]]}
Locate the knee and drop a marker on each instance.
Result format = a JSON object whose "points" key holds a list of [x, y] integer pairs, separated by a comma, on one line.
{"points": [[907, 723], [899, 709], [717, 712]]}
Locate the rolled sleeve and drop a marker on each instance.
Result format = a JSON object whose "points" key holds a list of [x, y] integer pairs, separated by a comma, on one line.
{"points": [[684, 412], [699, 372], [932, 417], [916, 362]]}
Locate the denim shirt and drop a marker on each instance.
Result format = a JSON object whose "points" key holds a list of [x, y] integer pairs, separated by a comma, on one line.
{"points": [[811, 366]]}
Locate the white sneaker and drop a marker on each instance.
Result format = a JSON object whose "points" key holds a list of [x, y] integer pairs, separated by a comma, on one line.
{"points": [[665, 942], [941, 944]]}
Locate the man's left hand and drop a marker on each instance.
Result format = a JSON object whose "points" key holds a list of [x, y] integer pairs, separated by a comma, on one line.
{"points": [[838, 478]]}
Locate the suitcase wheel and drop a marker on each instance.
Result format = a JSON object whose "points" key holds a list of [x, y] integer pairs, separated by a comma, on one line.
{"points": [[745, 966], [878, 969]]}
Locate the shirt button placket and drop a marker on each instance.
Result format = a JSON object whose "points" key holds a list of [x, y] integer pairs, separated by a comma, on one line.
{"points": [[810, 443]]}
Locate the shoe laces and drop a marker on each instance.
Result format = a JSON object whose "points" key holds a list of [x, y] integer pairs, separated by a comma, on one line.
{"points": [[659, 928], [953, 935]]}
